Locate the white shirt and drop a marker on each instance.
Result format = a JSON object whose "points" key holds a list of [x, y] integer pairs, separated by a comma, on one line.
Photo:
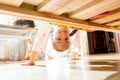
{"points": [[42, 37]]}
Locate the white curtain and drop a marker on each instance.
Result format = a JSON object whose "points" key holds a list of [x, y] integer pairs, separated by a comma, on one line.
{"points": [[17, 49]]}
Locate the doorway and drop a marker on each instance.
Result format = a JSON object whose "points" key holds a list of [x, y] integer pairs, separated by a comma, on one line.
{"points": [[100, 42]]}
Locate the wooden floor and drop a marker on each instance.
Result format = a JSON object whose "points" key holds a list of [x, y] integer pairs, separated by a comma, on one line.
{"points": [[95, 67]]}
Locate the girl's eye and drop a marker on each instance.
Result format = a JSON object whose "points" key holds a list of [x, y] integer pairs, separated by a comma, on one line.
{"points": [[59, 39], [65, 31], [66, 38]]}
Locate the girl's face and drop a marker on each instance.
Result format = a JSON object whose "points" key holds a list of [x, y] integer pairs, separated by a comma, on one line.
{"points": [[62, 39]]}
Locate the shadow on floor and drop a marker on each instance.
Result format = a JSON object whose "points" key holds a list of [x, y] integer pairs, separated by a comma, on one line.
{"points": [[115, 76]]}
